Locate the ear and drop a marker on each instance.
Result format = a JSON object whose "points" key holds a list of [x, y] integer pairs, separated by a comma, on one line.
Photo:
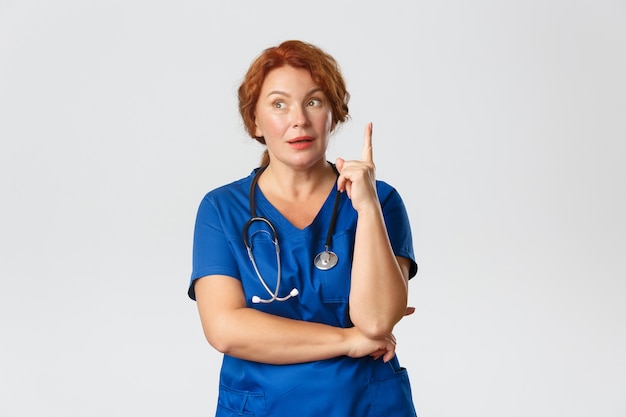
{"points": [[258, 133]]}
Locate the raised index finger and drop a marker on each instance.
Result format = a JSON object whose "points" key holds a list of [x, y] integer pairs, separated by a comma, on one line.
{"points": [[367, 153]]}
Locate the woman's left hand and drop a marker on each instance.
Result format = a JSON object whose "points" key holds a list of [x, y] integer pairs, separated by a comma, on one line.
{"points": [[388, 352], [358, 178]]}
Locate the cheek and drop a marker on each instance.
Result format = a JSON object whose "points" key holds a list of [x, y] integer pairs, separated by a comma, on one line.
{"points": [[329, 122], [268, 125], [260, 124]]}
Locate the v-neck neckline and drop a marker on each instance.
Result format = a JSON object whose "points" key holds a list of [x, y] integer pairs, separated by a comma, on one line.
{"points": [[271, 212]]}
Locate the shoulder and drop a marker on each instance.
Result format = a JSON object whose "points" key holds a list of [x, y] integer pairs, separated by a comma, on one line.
{"points": [[386, 191], [234, 187], [226, 201], [227, 192]]}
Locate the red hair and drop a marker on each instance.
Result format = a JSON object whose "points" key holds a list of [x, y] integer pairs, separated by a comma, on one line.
{"points": [[323, 68]]}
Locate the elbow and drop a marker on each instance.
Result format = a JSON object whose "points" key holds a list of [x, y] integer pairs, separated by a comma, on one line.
{"points": [[376, 324], [375, 329], [377, 334], [219, 343], [219, 338]]}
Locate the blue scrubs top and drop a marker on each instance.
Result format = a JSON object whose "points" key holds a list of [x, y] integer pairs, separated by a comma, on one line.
{"points": [[340, 386]]}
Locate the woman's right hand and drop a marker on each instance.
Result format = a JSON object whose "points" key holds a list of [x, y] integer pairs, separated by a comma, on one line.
{"points": [[360, 345]]}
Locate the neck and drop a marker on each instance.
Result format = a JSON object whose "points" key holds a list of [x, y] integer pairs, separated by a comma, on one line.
{"points": [[291, 184]]}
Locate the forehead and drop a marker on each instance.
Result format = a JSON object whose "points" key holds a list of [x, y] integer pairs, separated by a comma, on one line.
{"points": [[288, 80]]}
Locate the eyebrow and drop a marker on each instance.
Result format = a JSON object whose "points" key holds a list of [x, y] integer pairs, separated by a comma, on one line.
{"points": [[282, 93]]}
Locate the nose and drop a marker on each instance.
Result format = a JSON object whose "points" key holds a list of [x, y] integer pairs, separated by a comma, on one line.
{"points": [[300, 117]]}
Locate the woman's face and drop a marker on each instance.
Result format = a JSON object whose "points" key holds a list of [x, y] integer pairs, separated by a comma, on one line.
{"points": [[294, 116]]}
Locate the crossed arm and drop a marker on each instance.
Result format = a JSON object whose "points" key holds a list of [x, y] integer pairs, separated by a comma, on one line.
{"points": [[234, 329]]}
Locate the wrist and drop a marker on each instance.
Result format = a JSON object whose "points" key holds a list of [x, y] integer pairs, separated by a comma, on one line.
{"points": [[370, 209]]}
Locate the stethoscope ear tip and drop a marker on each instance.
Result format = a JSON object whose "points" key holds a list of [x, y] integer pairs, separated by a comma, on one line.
{"points": [[293, 293]]}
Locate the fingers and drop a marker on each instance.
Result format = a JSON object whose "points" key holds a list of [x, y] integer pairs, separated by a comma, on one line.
{"points": [[384, 348], [367, 154], [388, 351], [389, 355], [367, 157], [391, 351]]}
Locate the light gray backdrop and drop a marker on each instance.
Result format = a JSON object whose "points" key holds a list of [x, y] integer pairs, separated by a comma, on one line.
{"points": [[502, 124]]}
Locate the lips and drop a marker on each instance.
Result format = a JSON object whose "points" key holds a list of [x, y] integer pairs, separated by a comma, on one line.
{"points": [[301, 142], [300, 139]]}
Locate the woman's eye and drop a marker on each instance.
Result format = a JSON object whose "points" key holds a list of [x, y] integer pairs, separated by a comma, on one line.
{"points": [[315, 102], [279, 105]]}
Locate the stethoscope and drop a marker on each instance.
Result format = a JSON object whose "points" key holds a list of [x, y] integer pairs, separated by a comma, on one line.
{"points": [[324, 260]]}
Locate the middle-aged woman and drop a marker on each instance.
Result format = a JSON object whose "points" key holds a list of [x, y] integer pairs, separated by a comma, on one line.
{"points": [[306, 330]]}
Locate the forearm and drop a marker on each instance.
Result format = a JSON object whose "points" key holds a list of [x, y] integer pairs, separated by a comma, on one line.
{"points": [[253, 335], [378, 293]]}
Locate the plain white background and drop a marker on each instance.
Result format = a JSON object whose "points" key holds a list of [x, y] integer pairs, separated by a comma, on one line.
{"points": [[502, 124]]}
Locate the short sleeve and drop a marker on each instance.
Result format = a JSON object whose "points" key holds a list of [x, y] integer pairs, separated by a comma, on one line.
{"points": [[398, 225], [212, 252]]}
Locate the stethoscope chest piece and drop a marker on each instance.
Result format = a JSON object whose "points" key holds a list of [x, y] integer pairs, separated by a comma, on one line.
{"points": [[325, 260]]}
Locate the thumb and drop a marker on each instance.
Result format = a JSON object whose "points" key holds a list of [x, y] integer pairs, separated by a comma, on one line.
{"points": [[341, 180], [339, 164]]}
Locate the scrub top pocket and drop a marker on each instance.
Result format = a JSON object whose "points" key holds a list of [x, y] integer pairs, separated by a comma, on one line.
{"points": [[235, 403], [391, 396], [336, 281]]}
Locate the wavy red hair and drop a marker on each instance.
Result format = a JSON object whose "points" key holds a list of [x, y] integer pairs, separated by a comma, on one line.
{"points": [[298, 54]]}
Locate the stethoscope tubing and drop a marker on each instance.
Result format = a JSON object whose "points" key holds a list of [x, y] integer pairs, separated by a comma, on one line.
{"points": [[321, 262]]}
